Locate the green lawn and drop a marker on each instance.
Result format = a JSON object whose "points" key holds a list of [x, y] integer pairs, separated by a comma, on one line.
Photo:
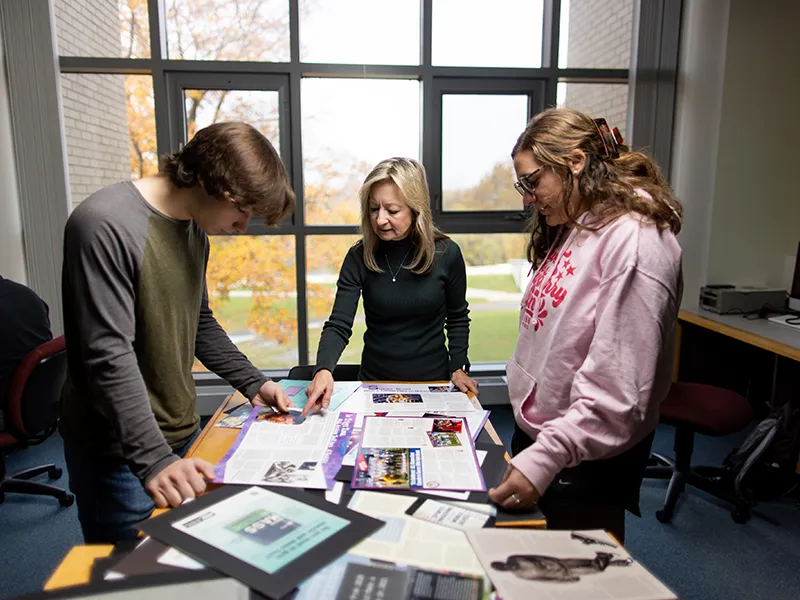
{"points": [[493, 334], [499, 283]]}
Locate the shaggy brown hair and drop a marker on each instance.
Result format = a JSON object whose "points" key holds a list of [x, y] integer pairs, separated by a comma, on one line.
{"points": [[234, 161]]}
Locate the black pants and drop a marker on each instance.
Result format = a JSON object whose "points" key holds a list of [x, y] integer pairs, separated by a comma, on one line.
{"points": [[596, 493]]}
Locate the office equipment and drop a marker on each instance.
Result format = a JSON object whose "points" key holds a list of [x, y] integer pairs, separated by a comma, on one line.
{"points": [[725, 299], [33, 399]]}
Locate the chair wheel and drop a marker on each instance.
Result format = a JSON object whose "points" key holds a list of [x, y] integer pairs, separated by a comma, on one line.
{"points": [[740, 516], [67, 500], [663, 516], [55, 473]]}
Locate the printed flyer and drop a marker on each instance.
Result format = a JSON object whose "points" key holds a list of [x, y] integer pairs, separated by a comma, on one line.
{"points": [[417, 453], [285, 449]]}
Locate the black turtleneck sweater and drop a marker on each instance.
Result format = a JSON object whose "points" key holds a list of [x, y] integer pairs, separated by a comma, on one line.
{"points": [[406, 319]]}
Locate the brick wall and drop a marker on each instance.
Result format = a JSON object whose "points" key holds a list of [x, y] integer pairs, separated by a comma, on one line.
{"points": [[94, 106], [600, 36]]}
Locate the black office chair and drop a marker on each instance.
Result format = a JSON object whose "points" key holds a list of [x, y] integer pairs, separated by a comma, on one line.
{"points": [[340, 372]]}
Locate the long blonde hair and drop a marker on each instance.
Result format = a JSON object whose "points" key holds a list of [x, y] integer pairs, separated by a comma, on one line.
{"points": [[410, 178], [610, 183]]}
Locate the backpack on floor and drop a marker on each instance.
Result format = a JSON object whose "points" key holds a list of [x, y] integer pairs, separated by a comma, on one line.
{"points": [[765, 466]]}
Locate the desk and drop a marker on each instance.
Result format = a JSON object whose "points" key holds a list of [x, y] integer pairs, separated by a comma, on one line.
{"points": [[778, 339], [211, 445], [773, 337]]}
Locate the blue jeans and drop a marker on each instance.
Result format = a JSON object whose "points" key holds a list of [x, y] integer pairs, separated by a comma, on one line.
{"points": [[111, 500]]}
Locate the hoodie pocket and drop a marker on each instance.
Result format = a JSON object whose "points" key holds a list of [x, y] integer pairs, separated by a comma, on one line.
{"points": [[521, 386]]}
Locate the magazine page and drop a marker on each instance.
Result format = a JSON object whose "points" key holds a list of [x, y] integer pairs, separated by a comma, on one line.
{"points": [[296, 391], [392, 401], [406, 540], [409, 388], [285, 449], [354, 577], [262, 528], [562, 565], [417, 453]]}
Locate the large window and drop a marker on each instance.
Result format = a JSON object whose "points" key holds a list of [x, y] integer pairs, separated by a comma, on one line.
{"points": [[337, 87]]}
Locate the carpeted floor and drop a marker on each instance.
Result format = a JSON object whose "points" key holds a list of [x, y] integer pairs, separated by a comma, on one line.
{"points": [[702, 555]]}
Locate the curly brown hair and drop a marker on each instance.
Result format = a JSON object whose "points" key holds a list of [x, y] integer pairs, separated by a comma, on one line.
{"points": [[609, 186], [234, 160]]}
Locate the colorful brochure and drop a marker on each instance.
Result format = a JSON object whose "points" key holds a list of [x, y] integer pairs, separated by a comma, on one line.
{"points": [[287, 450], [417, 453]]}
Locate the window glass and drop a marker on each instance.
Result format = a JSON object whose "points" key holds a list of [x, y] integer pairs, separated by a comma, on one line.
{"points": [[607, 100], [375, 32], [253, 293], [102, 28], [595, 34], [474, 33], [349, 125], [497, 274], [250, 30], [324, 257], [109, 129], [478, 134]]}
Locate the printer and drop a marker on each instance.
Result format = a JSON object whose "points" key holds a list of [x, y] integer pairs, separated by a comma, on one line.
{"points": [[725, 299]]}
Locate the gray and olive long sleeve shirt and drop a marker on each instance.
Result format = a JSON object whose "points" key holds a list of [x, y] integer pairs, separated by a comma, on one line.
{"points": [[135, 315]]}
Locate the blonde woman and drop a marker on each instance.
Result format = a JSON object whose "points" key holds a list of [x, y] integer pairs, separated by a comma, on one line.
{"points": [[413, 281]]}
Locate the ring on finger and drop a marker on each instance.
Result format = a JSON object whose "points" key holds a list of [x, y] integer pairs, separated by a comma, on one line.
{"points": [[517, 500]]}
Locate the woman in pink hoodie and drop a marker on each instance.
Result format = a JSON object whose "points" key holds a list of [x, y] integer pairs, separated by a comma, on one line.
{"points": [[597, 326]]}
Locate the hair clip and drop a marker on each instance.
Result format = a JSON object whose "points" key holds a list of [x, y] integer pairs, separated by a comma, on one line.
{"points": [[609, 140], [618, 136]]}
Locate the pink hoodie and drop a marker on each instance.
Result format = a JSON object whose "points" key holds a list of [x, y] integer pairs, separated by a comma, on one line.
{"points": [[596, 339]]}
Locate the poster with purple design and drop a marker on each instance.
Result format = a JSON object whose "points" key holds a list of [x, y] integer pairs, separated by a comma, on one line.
{"points": [[288, 450]]}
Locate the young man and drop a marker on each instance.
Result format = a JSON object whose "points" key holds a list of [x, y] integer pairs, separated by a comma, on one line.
{"points": [[136, 314]]}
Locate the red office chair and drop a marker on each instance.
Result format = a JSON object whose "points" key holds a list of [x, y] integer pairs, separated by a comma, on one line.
{"points": [[32, 415], [696, 408]]}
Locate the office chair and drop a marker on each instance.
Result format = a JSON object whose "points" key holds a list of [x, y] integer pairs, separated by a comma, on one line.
{"points": [[31, 417], [340, 372], [709, 410]]}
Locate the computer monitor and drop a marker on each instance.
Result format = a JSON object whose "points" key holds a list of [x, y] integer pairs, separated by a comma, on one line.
{"points": [[794, 295]]}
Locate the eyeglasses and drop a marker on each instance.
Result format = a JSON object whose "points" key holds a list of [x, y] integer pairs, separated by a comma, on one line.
{"points": [[524, 184]]}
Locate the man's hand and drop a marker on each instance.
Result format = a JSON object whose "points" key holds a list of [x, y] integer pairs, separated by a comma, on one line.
{"points": [[182, 480], [515, 491], [464, 382], [319, 392], [271, 394]]}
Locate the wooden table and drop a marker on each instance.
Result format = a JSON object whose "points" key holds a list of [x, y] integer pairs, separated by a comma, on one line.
{"points": [[211, 445]]}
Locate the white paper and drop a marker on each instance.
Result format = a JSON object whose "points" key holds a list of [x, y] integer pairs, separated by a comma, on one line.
{"points": [[476, 419], [552, 565], [175, 558], [481, 454], [288, 452], [410, 541], [334, 495], [391, 401], [417, 453], [451, 516], [487, 509]]}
